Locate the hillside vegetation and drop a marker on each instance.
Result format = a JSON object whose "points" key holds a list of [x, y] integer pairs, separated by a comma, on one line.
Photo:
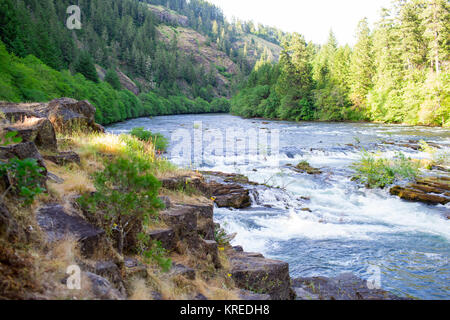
{"points": [[397, 73]]}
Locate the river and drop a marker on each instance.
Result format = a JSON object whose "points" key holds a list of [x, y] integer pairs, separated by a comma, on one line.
{"points": [[347, 228]]}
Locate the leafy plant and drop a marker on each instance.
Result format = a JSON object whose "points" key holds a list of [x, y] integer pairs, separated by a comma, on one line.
{"points": [[159, 141], [153, 251], [25, 178], [377, 172], [126, 199], [221, 236], [10, 138]]}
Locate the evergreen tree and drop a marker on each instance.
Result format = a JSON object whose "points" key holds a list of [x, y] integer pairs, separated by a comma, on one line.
{"points": [[86, 67]]}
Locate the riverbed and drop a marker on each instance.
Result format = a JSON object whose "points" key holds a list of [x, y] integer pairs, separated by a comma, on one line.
{"points": [[322, 224]]}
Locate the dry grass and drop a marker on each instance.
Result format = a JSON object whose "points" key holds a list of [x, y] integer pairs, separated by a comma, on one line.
{"points": [[139, 290]]}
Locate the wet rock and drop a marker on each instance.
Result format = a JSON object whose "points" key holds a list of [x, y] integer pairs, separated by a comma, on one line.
{"points": [[251, 296], [102, 288], [181, 270], [37, 130], [261, 275], [58, 225], [165, 236], [430, 191], [238, 249], [63, 158], [305, 167], [344, 287]]}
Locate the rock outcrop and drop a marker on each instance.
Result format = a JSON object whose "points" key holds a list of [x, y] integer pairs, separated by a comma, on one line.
{"points": [[427, 190], [344, 287], [58, 225], [65, 114], [37, 130], [255, 273]]}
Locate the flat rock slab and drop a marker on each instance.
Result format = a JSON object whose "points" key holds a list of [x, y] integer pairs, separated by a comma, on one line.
{"points": [[346, 286], [179, 269], [64, 158], [183, 221], [261, 275], [251, 296], [58, 225], [165, 236], [432, 191]]}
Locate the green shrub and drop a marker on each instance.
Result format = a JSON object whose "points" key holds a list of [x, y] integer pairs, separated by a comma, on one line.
{"points": [[159, 141], [377, 172], [153, 251], [126, 200], [25, 178]]}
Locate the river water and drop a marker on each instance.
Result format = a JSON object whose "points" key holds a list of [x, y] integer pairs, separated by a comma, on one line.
{"points": [[348, 228]]}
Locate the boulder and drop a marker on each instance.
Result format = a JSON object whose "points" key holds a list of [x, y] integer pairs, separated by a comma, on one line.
{"points": [[261, 275], [63, 158], [205, 220], [210, 249], [165, 236], [23, 151], [9, 228], [346, 286], [37, 130], [181, 270], [181, 182], [135, 269], [417, 195], [183, 221], [251, 296], [102, 288], [228, 195], [15, 112], [58, 225]]}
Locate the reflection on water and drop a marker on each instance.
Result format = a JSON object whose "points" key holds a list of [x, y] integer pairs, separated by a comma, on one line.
{"points": [[349, 228]]}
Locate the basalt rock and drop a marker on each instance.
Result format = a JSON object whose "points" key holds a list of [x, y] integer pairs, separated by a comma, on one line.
{"points": [[23, 151], [58, 225], [63, 158], [181, 270], [165, 236], [428, 190], [102, 288], [344, 287], [205, 220], [65, 114], [183, 221], [9, 228], [261, 275], [37, 130]]}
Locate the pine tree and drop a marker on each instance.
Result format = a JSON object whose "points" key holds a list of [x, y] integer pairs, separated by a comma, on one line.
{"points": [[361, 66], [86, 67]]}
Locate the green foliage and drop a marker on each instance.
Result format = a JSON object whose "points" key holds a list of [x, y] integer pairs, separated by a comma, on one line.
{"points": [[159, 141], [25, 177], [85, 66], [10, 138], [153, 251], [113, 79], [125, 201], [376, 172]]}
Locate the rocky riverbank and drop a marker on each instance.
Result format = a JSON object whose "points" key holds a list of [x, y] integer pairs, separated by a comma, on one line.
{"points": [[55, 232]]}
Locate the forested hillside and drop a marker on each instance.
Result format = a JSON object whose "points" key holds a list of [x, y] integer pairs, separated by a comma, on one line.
{"points": [[396, 73], [122, 45]]}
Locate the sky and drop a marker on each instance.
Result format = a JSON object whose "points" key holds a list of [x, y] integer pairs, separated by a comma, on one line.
{"points": [[311, 18]]}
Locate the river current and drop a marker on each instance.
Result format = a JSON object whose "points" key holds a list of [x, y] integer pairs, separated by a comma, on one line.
{"points": [[343, 227]]}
